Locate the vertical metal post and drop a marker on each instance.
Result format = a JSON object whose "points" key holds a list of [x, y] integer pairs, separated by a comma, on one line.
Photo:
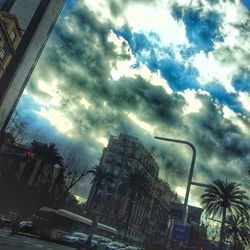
{"points": [[190, 176]]}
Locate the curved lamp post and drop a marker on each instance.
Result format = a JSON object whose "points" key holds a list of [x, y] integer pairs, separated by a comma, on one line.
{"points": [[189, 183]]}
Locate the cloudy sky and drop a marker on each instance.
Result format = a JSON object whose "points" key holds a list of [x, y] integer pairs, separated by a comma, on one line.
{"points": [[148, 68]]}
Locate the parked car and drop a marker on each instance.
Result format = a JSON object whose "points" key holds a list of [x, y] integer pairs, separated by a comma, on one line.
{"points": [[54, 234], [5, 222], [103, 243], [25, 226], [131, 248], [82, 238], [94, 241], [75, 239], [69, 240], [115, 246]]}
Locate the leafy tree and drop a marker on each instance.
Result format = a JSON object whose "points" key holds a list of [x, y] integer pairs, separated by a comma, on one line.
{"points": [[222, 197], [135, 186], [101, 177], [237, 230], [18, 127]]}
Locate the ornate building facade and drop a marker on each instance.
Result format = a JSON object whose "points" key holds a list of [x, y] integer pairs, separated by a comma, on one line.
{"points": [[149, 218], [10, 37]]}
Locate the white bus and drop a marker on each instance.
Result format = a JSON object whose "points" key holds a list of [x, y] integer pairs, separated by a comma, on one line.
{"points": [[52, 223]]}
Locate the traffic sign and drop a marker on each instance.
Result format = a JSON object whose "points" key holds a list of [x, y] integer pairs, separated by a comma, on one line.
{"points": [[179, 233]]}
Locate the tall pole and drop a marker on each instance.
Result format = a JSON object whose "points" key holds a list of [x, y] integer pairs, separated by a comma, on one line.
{"points": [[189, 183]]}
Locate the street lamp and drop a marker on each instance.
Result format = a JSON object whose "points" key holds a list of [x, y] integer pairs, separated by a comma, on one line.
{"points": [[189, 183]]}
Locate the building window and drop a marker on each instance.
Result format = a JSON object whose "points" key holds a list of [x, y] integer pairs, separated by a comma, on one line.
{"points": [[12, 35], [109, 158], [118, 162], [107, 168], [2, 53], [130, 163], [116, 171]]}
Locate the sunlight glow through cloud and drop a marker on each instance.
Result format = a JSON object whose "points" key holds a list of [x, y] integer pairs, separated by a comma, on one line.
{"points": [[244, 98], [169, 30], [57, 119], [194, 105], [144, 125], [85, 103], [180, 191], [103, 141]]}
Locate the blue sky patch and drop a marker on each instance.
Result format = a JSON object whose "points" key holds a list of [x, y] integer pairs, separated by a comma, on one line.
{"points": [[247, 4], [242, 83], [218, 92], [178, 76], [202, 29]]}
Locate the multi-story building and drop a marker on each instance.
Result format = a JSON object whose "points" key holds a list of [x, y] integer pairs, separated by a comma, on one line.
{"points": [[25, 26], [150, 214], [10, 36], [160, 221]]}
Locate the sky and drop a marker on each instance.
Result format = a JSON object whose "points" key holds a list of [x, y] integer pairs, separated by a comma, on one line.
{"points": [[178, 69]]}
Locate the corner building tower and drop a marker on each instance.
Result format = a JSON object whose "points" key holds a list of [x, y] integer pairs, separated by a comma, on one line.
{"points": [[25, 26]]}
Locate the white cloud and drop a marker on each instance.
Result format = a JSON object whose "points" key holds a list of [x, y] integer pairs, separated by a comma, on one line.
{"points": [[156, 18], [180, 191], [212, 70], [57, 119], [153, 78], [235, 119], [142, 124], [124, 67], [51, 90], [244, 99], [85, 103], [194, 104], [103, 141], [231, 55], [70, 24]]}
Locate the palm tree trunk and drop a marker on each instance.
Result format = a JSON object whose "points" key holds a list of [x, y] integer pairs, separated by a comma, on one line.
{"points": [[39, 172], [130, 206], [235, 240], [50, 177], [222, 229], [93, 198]]}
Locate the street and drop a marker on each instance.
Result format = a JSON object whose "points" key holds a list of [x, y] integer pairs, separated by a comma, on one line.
{"points": [[21, 242]]}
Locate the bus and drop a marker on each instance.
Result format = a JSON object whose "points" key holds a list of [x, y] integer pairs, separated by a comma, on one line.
{"points": [[53, 223]]}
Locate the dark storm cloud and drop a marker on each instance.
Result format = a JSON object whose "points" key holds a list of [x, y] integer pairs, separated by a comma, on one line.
{"points": [[150, 101], [118, 6], [216, 135], [81, 61]]}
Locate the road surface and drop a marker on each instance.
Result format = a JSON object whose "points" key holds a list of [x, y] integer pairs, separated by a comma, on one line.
{"points": [[20, 242]]}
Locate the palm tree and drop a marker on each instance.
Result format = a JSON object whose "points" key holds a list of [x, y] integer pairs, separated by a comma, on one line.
{"points": [[222, 197], [50, 157], [238, 230], [134, 186], [101, 177]]}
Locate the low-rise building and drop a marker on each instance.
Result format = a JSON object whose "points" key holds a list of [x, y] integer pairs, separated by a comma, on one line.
{"points": [[20, 163]]}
